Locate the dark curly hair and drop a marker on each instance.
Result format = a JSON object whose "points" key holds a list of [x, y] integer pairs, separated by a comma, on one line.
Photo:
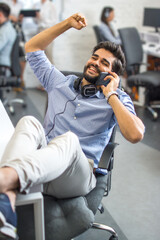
{"points": [[5, 9], [120, 62]]}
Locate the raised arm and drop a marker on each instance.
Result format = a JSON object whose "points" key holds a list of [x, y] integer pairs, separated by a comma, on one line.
{"points": [[44, 38]]}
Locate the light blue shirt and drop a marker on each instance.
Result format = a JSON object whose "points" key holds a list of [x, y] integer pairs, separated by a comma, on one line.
{"points": [[7, 39], [91, 119]]}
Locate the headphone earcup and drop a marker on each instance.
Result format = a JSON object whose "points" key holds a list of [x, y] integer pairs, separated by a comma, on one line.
{"points": [[88, 90], [107, 13], [77, 83]]}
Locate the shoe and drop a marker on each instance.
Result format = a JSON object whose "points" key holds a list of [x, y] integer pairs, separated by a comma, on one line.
{"points": [[8, 219], [3, 235], [21, 88]]}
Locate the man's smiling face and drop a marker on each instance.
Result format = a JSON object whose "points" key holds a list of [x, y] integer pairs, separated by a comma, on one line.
{"points": [[101, 61]]}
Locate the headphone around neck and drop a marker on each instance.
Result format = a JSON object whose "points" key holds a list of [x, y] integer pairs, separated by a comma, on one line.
{"points": [[86, 90]]}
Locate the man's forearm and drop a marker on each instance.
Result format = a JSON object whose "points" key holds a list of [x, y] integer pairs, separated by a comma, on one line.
{"points": [[44, 38], [130, 125]]}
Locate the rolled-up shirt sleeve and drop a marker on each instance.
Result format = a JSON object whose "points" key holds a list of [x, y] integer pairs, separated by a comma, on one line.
{"points": [[46, 73], [127, 102]]}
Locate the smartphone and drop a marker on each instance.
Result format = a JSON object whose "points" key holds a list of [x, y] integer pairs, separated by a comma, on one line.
{"points": [[101, 81]]}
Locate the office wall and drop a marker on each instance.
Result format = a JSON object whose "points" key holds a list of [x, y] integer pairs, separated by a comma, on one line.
{"points": [[73, 48], [127, 12]]}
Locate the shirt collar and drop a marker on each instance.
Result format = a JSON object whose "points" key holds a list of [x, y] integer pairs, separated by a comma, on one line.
{"points": [[100, 94]]}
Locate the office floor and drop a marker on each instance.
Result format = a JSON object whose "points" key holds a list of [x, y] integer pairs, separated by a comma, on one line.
{"points": [[134, 199]]}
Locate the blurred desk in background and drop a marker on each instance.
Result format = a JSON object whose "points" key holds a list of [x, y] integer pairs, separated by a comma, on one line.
{"points": [[151, 48]]}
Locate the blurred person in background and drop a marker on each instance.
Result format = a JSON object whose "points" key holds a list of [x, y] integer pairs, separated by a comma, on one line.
{"points": [[107, 28], [17, 18], [45, 18], [7, 38], [15, 7]]}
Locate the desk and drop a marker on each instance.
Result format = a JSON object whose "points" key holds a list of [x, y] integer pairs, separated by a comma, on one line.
{"points": [[36, 198], [152, 58], [152, 51]]}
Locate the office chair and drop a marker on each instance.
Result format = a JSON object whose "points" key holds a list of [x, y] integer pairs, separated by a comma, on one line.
{"points": [[66, 219], [13, 80], [98, 34], [150, 80]]}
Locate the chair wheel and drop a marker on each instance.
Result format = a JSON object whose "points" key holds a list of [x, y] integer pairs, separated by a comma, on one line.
{"points": [[113, 238], [24, 105], [11, 109], [155, 116]]}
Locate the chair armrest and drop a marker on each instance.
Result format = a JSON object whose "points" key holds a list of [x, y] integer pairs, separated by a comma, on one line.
{"points": [[24, 199], [107, 155], [9, 81], [5, 66]]}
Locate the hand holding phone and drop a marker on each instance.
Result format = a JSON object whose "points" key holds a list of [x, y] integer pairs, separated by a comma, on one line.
{"points": [[101, 81]]}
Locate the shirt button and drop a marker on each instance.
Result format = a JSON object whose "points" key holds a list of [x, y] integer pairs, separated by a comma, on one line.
{"points": [[78, 104], [75, 118]]}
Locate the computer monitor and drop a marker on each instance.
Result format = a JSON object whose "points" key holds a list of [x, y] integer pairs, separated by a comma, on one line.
{"points": [[152, 18], [29, 12]]}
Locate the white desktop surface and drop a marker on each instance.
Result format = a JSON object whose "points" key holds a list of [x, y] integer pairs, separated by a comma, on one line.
{"points": [[152, 49], [152, 43], [6, 129]]}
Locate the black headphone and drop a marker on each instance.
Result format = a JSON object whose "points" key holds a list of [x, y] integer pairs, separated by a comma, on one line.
{"points": [[86, 90], [107, 12]]}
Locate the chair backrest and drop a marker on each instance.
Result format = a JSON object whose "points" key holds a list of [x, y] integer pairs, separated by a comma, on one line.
{"points": [[15, 61], [14, 79], [98, 34], [132, 47]]}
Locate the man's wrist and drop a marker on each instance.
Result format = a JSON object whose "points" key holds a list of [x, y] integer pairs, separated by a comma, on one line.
{"points": [[110, 94]]}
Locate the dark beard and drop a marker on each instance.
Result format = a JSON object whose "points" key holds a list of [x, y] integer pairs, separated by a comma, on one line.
{"points": [[89, 78]]}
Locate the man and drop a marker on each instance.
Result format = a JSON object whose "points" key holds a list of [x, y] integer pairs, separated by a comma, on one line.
{"points": [[77, 128], [7, 35]]}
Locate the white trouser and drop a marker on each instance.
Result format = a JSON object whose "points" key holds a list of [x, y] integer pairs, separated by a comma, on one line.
{"points": [[61, 164]]}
